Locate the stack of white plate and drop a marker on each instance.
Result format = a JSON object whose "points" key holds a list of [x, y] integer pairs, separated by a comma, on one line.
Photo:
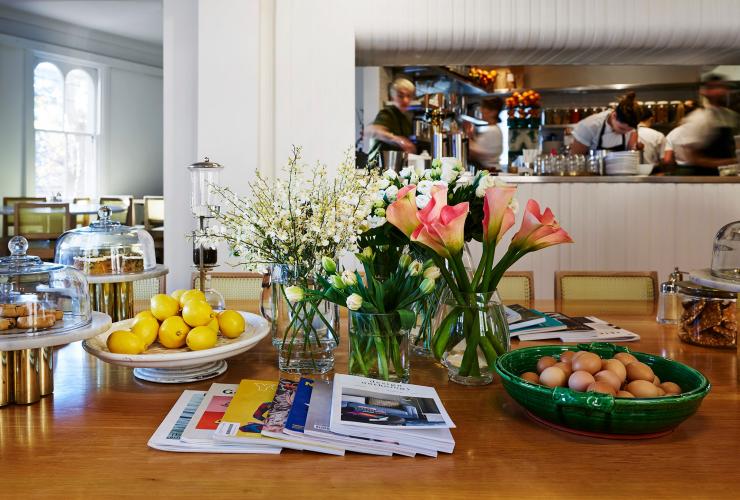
{"points": [[622, 163]]}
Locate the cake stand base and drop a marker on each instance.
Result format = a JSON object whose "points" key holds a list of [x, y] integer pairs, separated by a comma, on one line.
{"points": [[181, 375]]}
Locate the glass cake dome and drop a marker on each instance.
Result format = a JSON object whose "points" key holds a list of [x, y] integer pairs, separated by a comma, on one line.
{"points": [[726, 252], [106, 248], [38, 297]]}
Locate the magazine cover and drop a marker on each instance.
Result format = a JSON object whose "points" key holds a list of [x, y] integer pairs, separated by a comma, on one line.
{"points": [[296, 420], [371, 403], [209, 413], [247, 412], [583, 329], [281, 405]]}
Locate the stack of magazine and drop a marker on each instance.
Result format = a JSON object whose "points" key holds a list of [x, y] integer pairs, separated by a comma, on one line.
{"points": [[531, 324], [349, 414]]}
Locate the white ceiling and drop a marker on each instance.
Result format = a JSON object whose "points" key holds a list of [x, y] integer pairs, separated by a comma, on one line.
{"points": [[136, 19]]}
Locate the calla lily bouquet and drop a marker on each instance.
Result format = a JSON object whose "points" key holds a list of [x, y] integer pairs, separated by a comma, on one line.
{"points": [[380, 314], [441, 228]]}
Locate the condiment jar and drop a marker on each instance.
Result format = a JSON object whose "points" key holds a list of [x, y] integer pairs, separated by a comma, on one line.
{"points": [[668, 303], [708, 316]]}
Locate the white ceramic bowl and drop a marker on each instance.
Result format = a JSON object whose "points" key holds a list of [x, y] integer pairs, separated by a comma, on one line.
{"points": [[644, 168]]}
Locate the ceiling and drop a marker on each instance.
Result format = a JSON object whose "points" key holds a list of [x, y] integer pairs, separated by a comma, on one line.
{"points": [[135, 19]]}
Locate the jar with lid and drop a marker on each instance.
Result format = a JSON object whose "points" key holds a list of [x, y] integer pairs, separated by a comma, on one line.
{"points": [[708, 316], [668, 303], [726, 253]]}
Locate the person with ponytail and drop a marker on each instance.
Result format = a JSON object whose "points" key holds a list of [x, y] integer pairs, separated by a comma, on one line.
{"points": [[612, 130]]}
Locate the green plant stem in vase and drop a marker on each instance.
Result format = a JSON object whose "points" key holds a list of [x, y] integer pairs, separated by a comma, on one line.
{"points": [[379, 346]]}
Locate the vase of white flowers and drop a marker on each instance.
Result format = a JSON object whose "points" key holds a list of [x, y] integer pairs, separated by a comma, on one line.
{"points": [[287, 224]]}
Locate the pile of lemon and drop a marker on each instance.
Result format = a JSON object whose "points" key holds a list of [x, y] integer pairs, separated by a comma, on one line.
{"points": [[182, 318]]}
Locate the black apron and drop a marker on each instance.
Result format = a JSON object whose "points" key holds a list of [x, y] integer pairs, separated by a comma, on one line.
{"points": [[623, 147]]}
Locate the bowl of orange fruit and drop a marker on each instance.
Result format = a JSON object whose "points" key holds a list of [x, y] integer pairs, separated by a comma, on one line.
{"points": [[180, 338]]}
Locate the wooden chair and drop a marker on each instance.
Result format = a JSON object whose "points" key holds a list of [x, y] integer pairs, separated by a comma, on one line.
{"points": [[154, 222], [127, 202], [234, 286], [41, 224], [606, 285], [517, 287], [84, 219], [9, 219], [144, 289]]}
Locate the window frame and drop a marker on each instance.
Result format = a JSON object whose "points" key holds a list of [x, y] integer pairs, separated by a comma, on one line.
{"points": [[99, 75]]}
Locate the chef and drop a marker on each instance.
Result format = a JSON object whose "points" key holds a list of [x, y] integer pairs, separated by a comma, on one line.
{"points": [[612, 130], [486, 147], [391, 129], [653, 141]]}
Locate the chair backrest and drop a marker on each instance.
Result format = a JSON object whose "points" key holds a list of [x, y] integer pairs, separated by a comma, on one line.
{"points": [[83, 219], [606, 285], [517, 286], [153, 211], [125, 217], [234, 286], [41, 221], [145, 289], [8, 220]]}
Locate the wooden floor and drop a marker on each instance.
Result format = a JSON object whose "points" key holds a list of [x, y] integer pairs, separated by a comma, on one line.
{"points": [[89, 440]]}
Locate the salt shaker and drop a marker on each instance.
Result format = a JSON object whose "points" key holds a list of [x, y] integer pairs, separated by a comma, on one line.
{"points": [[668, 300]]}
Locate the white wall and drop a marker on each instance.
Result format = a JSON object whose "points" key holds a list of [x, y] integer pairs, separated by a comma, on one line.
{"points": [[11, 118]]}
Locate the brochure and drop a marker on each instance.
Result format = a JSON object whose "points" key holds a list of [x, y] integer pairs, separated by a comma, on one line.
{"points": [[529, 317], [583, 329], [209, 413], [371, 404], [511, 315], [549, 325], [246, 414]]}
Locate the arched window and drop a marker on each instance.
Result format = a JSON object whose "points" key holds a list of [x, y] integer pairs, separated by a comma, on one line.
{"points": [[65, 130]]}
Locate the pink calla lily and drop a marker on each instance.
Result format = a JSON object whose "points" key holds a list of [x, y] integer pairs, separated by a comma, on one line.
{"points": [[402, 213], [539, 230], [442, 226], [498, 217]]}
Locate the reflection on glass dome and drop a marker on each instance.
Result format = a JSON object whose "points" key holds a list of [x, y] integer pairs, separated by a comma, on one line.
{"points": [[726, 252]]}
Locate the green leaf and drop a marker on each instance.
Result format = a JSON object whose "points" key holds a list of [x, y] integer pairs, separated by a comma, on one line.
{"points": [[408, 318]]}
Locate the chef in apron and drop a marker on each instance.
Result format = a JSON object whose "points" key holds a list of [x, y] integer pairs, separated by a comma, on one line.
{"points": [[611, 130], [709, 133]]}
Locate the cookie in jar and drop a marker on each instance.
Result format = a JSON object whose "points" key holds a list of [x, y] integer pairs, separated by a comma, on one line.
{"points": [[708, 316]]}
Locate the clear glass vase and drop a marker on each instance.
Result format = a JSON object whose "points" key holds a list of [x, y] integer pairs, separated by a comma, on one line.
{"points": [[426, 310], [470, 332], [379, 346], [304, 333]]}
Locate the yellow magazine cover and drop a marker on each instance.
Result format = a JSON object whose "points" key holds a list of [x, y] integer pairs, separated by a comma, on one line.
{"points": [[247, 412]]}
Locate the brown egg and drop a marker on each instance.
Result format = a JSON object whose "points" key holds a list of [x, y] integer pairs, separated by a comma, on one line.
{"points": [[625, 394], [545, 362], [642, 389], [577, 354], [656, 380], [566, 367], [580, 380], [639, 371], [601, 387], [552, 377], [587, 361], [625, 358], [531, 377], [616, 367], [567, 356], [671, 388], [610, 378], [661, 392]]}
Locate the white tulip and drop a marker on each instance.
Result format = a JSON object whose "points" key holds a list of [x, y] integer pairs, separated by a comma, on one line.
{"points": [[349, 278], [390, 174], [432, 273], [354, 302], [294, 294]]}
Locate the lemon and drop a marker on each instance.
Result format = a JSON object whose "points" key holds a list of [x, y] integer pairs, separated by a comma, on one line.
{"points": [[177, 294], [213, 324], [190, 295], [145, 314], [146, 329], [163, 306], [125, 342], [172, 332], [197, 312], [231, 324], [201, 337]]}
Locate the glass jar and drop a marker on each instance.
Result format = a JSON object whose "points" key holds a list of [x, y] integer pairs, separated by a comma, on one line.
{"points": [[471, 331], [668, 301], [40, 298], [305, 332], [106, 247], [379, 345], [708, 316], [726, 253]]}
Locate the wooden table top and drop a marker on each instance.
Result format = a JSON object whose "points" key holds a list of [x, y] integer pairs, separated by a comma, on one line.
{"points": [[89, 439]]}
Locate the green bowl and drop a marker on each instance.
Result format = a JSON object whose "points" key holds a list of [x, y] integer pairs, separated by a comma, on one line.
{"points": [[602, 413]]}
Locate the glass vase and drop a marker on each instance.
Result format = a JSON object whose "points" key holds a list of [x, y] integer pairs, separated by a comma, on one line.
{"points": [[304, 333], [471, 331], [426, 310], [379, 346]]}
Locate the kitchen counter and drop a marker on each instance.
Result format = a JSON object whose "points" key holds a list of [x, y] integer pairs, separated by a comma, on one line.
{"points": [[621, 179]]}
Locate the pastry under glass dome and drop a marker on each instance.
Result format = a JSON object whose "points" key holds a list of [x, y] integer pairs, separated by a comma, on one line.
{"points": [[726, 253], [106, 248], [40, 298]]}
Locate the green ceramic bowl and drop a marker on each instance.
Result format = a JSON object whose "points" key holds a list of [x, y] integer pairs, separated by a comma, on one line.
{"points": [[601, 413]]}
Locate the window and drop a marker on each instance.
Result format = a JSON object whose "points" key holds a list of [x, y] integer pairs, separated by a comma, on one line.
{"points": [[65, 130]]}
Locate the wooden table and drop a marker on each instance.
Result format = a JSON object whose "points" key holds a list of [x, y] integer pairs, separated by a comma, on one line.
{"points": [[75, 209], [89, 439]]}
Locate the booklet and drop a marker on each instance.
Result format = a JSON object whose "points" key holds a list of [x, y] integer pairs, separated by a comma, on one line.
{"points": [[528, 317], [244, 418], [511, 315], [549, 325], [584, 329], [372, 404], [209, 414], [168, 436]]}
